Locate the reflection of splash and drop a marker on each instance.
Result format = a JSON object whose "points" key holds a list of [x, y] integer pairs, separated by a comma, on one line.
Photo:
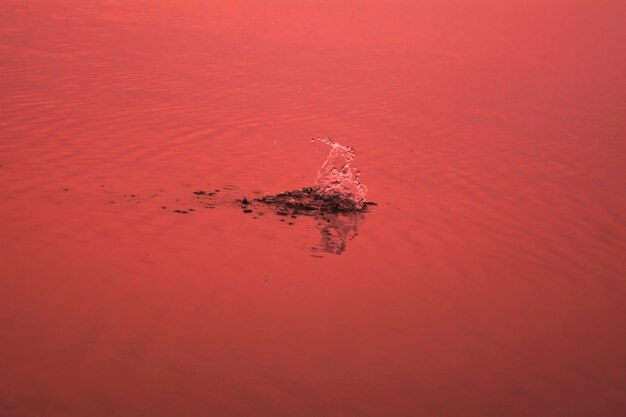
{"points": [[336, 229], [338, 179]]}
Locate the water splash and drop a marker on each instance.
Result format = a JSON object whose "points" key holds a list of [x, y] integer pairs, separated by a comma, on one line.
{"points": [[337, 179], [336, 188], [336, 200]]}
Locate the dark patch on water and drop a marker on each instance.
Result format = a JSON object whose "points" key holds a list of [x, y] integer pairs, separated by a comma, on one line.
{"points": [[335, 201]]}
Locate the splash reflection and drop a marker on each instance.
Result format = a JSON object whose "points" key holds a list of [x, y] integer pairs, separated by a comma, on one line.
{"points": [[336, 229]]}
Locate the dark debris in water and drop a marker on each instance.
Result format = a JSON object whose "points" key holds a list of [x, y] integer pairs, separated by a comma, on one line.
{"points": [[305, 201], [201, 192]]}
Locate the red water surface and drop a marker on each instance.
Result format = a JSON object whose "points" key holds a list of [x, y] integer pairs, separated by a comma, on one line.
{"points": [[490, 279]]}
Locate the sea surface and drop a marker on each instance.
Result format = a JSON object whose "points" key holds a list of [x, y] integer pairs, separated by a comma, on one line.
{"points": [[488, 280]]}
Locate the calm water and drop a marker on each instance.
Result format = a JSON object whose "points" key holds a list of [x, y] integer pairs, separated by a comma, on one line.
{"points": [[490, 279]]}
